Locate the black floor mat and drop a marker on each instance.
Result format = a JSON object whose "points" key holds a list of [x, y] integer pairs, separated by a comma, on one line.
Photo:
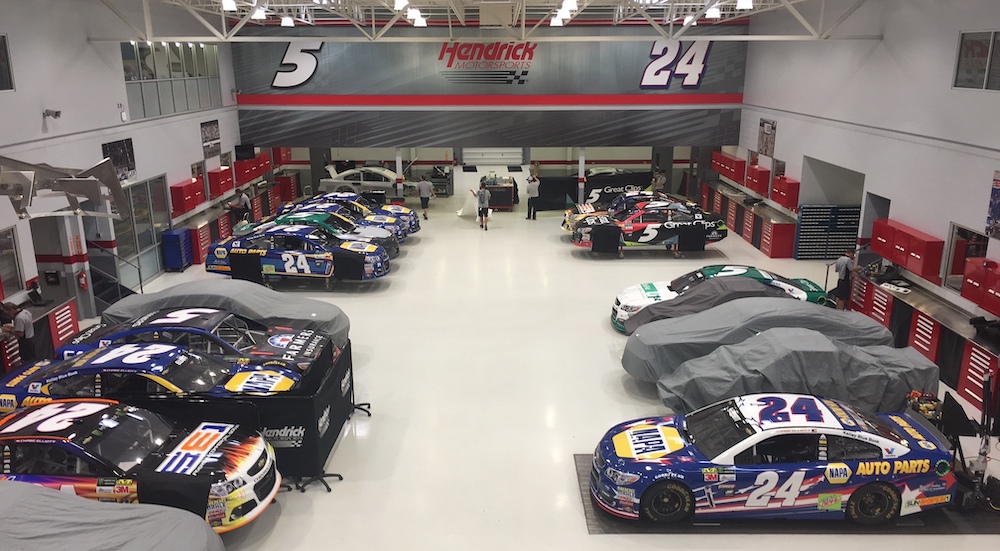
{"points": [[937, 521]]}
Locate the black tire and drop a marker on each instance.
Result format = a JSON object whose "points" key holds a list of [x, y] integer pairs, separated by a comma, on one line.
{"points": [[873, 504], [666, 501]]}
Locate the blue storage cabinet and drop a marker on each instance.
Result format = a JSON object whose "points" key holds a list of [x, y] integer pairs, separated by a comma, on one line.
{"points": [[177, 249]]}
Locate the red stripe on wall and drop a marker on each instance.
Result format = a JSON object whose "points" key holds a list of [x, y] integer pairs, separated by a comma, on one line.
{"points": [[451, 100], [106, 244], [60, 259]]}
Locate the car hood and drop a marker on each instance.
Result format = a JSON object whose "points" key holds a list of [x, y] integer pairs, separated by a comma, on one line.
{"points": [[371, 231], [220, 450], [808, 286], [260, 382], [655, 439], [645, 294]]}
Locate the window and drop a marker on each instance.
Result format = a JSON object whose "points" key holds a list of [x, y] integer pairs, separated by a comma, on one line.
{"points": [[11, 280], [6, 75], [162, 78], [978, 65], [849, 449], [83, 386], [783, 448], [49, 459]]}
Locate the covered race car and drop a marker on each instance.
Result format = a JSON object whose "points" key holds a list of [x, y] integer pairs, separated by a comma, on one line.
{"points": [[697, 299], [786, 359], [303, 251], [208, 331], [637, 297], [335, 224], [398, 227], [660, 347], [773, 455], [362, 207], [106, 451], [363, 178], [655, 223]]}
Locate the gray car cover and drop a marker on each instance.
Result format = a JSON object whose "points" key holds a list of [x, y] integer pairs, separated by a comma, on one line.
{"points": [[872, 378], [38, 518], [707, 294], [240, 297], [660, 347]]}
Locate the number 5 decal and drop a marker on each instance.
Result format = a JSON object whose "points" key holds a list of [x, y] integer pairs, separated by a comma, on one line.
{"points": [[664, 53], [648, 234], [301, 56]]}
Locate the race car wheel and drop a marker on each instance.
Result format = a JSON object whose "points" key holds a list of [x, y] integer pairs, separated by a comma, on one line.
{"points": [[666, 501], [875, 503]]}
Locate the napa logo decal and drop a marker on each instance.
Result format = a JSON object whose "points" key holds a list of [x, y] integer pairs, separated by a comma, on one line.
{"points": [[647, 442], [838, 473], [280, 341], [259, 382]]}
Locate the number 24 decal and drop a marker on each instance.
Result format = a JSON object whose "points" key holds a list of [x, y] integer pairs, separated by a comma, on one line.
{"points": [[295, 262], [668, 60], [774, 409], [764, 491]]}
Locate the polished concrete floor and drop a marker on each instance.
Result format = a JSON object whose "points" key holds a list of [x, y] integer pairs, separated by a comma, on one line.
{"points": [[489, 361]]}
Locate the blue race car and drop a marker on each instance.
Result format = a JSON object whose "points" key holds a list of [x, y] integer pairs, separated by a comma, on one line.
{"points": [[773, 455], [207, 331], [302, 251], [142, 370], [363, 207], [391, 223]]}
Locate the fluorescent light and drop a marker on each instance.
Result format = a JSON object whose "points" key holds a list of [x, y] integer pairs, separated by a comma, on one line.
{"points": [[564, 14], [713, 13], [570, 5], [400, 4], [287, 21], [555, 22], [744, 4], [690, 19], [412, 13], [420, 22], [259, 13], [228, 5]]}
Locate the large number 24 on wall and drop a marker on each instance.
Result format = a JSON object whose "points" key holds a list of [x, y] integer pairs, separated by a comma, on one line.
{"points": [[668, 60]]}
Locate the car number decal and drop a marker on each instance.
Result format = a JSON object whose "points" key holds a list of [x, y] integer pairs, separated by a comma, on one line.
{"points": [[133, 353], [181, 316], [55, 417], [295, 262], [773, 410], [764, 489]]}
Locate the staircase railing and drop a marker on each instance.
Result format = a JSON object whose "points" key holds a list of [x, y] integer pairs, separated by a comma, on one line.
{"points": [[120, 259]]}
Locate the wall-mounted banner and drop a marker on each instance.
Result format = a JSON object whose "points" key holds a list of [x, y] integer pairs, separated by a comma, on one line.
{"points": [[765, 137], [211, 144], [122, 157], [993, 214]]}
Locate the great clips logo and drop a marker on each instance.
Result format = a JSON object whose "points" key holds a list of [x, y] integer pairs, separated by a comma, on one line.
{"points": [[487, 63]]}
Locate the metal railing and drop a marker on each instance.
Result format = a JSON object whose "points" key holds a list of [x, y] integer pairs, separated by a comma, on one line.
{"points": [[115, 279]]}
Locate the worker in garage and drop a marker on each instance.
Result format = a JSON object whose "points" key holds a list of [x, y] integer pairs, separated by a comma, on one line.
{"points": [[240, 206], [845, 265], [426, 191], [21, 327]]}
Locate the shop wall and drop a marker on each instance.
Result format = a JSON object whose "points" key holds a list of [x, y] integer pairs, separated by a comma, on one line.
{"points": [[884, 108], [25, 247]]}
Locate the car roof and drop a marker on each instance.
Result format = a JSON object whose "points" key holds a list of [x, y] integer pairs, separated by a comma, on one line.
{"points": [[752, 407], [296, 230], [138, 358], [205, 318], [82, 424]]}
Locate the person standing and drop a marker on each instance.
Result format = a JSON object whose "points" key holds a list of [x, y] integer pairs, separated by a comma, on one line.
{"points": [[426, 191], [845, 266], [483, 204], [532, 198], [240, 206], [23, 328]]}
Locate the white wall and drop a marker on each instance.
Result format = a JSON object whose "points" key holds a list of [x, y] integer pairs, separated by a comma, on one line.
{"points": [[885, 109]]}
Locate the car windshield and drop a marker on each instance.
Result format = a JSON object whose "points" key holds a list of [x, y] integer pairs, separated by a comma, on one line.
{"points": [[194, 372], [126, 437], [867, 423], [623, 215], [242, 334], [324, 239], [717, 428], [686, 281]]}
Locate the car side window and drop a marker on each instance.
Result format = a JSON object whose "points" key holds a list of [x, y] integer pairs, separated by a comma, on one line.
{"points": [[652, 217], [353, 177], [49, 459], [80, 386], [840, 448], [782, 448], [376, 177], [260, 243]]}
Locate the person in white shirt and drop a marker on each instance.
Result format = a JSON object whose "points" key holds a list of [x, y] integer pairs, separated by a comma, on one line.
{"points": [[240, 205], [845, 265], [532, 198], [426, 191], [483, 204]]}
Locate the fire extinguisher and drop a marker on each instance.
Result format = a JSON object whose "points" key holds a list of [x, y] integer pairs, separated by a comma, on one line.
{"points": [[81, 279]]}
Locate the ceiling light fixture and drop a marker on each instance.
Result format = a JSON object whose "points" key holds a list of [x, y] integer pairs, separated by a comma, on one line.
{"points": [[555, 22], [744, 4], [570, 5], [287, 21], [563, 14], [400, 4], [420, 22], [228, 5], [689, 19], [713, 13], [412, 14], [259, 13]]}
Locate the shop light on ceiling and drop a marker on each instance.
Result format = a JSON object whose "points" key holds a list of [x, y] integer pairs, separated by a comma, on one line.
{"points": [[713, 13], [400, 4], [420, 22], [555, 22], [689, 19], [287, 21], [259, 13], [412, 14], [228, 5], [744, 4]]}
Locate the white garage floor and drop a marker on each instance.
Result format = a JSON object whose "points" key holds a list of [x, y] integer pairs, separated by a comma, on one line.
{"points": [[489, 360]]}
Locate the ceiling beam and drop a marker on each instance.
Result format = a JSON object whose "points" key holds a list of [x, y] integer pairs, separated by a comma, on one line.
{"points": [[138, 32], [791, 9], [437, 38], [843, 18], [215, 32]]}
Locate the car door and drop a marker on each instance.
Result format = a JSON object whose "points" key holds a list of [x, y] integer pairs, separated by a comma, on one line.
{"points": [[66, 468], [376, 181], [644, 228], [777, 476]]}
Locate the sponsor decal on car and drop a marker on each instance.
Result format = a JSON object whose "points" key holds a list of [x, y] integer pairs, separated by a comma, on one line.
{"points": [[906, 466], [829, 502], [188, 456], [838, 473], [261, 382], [931, 487], [928, 501], [280, 341], [710, 474], [647, 442]]}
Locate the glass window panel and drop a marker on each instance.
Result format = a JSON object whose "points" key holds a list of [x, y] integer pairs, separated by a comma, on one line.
{"points": [[6, 73], [130, 64], [199, 59], [150, 99], [11, 279], [158, 206], [124, 232], [142, 218], [213, 87], [972, 58], [176, 60], [189, 68], [128, 274], [180, 96], [166, 93], [161, 66], [993, 80], [145, 58], [212, 59], [204, 93], [192, 94], [149, 263], [133, 91]]}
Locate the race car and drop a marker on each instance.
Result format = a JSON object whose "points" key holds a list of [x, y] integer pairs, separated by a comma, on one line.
{"points": [[364, 178], [395, 225], [773, 455], [363, 207], [655, 223], [142, 370], [303, 251], [628, 200], [107, 451], [636, 297], [336, 225], [207, 331]]}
